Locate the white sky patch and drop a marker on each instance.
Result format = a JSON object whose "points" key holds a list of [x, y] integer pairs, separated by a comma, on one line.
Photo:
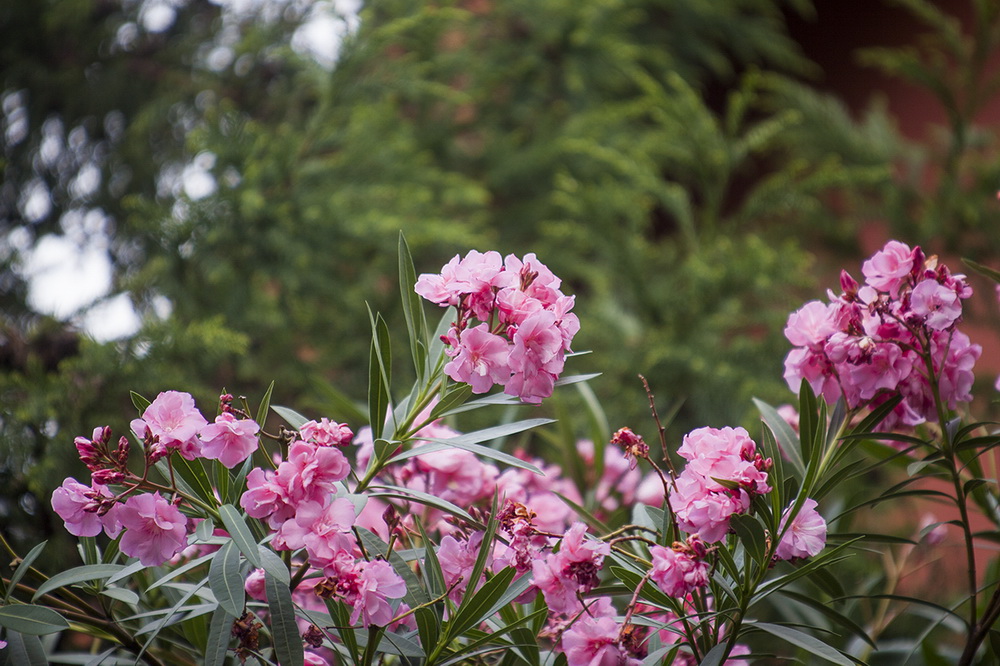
{"points": [[63, 277], [322, 35], [112, 319]]}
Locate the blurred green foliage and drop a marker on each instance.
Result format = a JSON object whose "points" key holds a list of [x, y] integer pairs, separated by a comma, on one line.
{"points": [[667, 158]]}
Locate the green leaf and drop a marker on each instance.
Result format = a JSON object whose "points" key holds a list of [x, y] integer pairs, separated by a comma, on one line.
{"points": [[272, 563], [650, 591], [413, 311], [293, 418], [985, 271], [226, 580], [30, 619], [455, 396], [121, 594], [342, 622], [240, 533], [219, 636], [265, 405], [428, 626], [408, 494], [460, 655], [714, 656], [484, 451], [284, 632], [22, 569], [379, 372], [86, 573], [433, 574], [140, 404], [783, 434], [154, 629], [172, 573], [826, 610], [193, 471], [479, 605], [751, 535], [23, 650], [808, 643]]}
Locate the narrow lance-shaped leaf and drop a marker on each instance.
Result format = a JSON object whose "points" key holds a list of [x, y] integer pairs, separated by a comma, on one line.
{"points": [[219, 636], [22, 569], [284, 632], [812, 645], [413, 312], [240, 533], [226, 580], [378, 376], [23, 650], [30, 619], [84, 574]]}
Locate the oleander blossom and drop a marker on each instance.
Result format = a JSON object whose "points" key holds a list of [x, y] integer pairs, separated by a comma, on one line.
{"points": [[524, 327], [80, 506], [594, 641], [174, 419], [563, 575], [805, 537], [680, 569], [887, 336], [723, 471], [154, 528], [229, 440]]}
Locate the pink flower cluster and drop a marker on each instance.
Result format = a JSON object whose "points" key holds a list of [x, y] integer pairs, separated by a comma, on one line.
{"points": [[525, 328], [876, 339], [172, 422], [723, 470], [154, 527], [682, 568], [565, 575]]}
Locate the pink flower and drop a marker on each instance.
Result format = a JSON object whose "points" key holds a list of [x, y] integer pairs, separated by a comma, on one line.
{"points": [[175, 420], [680, 570], [311, 471], [889, 268], [938, 305], [703, 511], [481, 361], [154, 529], [810, 325], [377, 582], [805, 537], [887, 366], [960, 356], [314, 521], [78, 506], [313, 659], [326, 433], [255, 585], [593, 641], [266, 498], [229, 440], [574, 569]]}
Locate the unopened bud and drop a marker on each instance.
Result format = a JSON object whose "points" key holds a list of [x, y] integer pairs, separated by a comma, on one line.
{"points": [[103, 477]]}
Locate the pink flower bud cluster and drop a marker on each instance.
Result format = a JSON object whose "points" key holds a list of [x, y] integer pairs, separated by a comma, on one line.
{"points": [[525, 328], [723, 470], [873, 339], [682, 568]]}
